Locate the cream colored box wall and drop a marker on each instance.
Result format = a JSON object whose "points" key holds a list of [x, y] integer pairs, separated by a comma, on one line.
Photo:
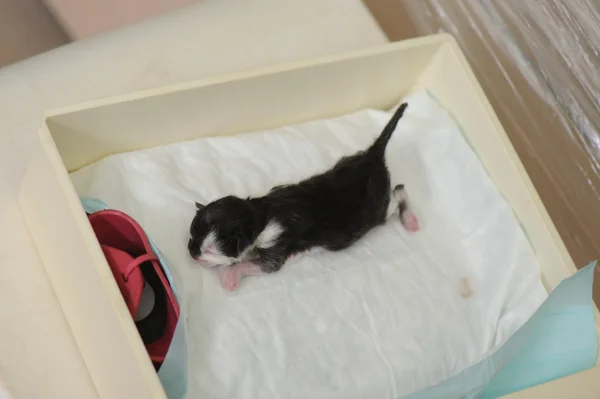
{"points": [[377, 78]]}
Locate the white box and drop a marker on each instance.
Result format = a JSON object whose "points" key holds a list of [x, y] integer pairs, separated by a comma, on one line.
{"points": [[81, 134]]}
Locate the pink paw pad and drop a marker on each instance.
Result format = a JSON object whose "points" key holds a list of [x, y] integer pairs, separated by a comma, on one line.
{"points": [[230, 278], [410, 222]]}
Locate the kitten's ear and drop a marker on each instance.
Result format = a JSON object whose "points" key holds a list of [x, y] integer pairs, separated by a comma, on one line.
{"points": [[199, 206]]}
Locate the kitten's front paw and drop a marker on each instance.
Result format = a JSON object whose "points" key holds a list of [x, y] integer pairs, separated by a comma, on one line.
{"points": [[230, 277]]}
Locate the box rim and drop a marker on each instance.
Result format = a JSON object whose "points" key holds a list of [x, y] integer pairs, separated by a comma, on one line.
{"points": [[440, 39], [432, 40]]}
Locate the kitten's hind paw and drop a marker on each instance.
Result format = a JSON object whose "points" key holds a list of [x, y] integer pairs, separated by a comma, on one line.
{"points": [[409, 221]]}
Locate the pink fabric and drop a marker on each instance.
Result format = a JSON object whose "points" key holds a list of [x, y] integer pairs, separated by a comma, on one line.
{"points": [[126, 247]]}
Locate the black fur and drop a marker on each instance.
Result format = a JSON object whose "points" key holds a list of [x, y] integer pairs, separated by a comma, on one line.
{"points": [[330, 210]]}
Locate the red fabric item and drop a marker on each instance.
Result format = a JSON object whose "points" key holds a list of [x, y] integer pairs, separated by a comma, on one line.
{"points": [[127, 249], [130, 284]]}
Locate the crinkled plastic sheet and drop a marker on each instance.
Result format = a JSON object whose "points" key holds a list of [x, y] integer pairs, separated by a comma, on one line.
{"points": [[539, 64]]}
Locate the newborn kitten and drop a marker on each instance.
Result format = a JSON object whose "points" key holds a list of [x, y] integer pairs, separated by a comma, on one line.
{"points": [[331, 210]]}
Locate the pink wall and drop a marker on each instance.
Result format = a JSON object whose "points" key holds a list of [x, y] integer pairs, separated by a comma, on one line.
{"points": [[85, 18]]}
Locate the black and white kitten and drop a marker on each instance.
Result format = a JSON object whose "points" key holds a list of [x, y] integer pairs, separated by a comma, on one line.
{"points": [[331, 210]]}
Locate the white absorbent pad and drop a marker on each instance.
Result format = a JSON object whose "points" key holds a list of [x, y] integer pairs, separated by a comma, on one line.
{"points": [[394, 313]]}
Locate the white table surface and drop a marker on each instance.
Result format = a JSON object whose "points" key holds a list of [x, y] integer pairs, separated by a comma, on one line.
{"points": [[39, 358]]}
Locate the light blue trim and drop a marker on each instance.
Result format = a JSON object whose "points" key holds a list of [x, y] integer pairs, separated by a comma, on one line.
{"points": [[558, 340]]}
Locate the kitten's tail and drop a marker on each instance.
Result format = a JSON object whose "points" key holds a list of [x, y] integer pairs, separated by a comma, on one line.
{"points": [[381, 142]]}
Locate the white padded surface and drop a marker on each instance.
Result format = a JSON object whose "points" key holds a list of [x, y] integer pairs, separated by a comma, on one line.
{"points": [[209, 38], [392, 314]]}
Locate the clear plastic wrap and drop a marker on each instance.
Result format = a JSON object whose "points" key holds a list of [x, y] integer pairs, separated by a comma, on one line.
{"points": [[539, 63]]}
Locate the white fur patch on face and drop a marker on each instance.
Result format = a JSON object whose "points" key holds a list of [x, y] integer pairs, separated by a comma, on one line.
{"points": [[211, 254], [209, 241], [268, 237]]}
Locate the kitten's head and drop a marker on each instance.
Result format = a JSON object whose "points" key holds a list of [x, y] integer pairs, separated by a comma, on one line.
{"points": [[223, 232]]}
